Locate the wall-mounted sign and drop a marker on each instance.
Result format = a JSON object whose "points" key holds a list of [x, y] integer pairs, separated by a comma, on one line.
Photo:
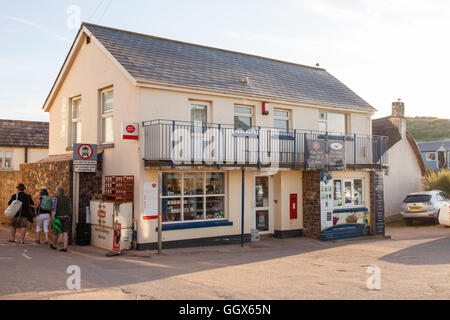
{"points": [[150, 200], [130, 130], [325, 152], [84, 157]]}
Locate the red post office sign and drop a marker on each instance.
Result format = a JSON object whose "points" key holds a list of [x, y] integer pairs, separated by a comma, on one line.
{"points": [[130, 130]]}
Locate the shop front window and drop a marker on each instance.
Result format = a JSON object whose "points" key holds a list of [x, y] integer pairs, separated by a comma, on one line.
{"points": [[193, 196], [348, 192]]}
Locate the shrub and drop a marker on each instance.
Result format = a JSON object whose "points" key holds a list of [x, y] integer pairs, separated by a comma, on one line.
{"points": [[437, 180]]}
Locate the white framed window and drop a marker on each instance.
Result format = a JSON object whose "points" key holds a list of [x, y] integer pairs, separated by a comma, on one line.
{"points": [[75, 110], [107, 115], [193, 196], [6, 159], [431, 156], [348, 192], [332, 122], [281, 119], [243, 118], [199, 116]]}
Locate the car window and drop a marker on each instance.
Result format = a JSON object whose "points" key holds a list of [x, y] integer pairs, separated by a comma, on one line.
{"points": [[418, 198], [444, 196]]}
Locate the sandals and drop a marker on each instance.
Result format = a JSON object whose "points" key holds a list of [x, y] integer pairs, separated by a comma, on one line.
{"points": [[13, 241]]}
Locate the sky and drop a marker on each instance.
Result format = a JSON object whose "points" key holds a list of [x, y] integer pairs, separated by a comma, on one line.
{"points": [[382, 49]]}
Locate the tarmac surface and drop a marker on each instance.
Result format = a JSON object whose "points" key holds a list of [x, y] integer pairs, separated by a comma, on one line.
{"points": [[413, 264]]}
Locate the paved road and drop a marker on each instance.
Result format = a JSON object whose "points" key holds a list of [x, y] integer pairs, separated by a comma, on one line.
{"points": [[414, 264]]}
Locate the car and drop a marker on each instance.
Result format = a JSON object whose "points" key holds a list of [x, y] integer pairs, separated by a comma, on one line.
{"points": [[423, 205]]}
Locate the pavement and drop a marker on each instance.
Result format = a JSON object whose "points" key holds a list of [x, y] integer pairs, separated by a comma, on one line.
{"points": [[413, 264]]}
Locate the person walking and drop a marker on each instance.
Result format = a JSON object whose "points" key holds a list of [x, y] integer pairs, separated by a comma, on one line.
{"points": [[61, 216], [19, 221], [44, 210]]}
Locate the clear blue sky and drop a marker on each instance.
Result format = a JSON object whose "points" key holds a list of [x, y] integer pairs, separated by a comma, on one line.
{"points": [[381, 49]]}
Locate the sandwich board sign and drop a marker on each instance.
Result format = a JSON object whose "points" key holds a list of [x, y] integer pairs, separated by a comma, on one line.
{"points": [[84, 157]]}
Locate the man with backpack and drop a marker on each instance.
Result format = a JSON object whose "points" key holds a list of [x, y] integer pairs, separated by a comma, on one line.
{"points": [[61, 216], [19, 221], [44, 211]]}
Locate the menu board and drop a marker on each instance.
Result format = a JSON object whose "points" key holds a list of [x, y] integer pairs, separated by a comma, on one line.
{"points": [[325, 153], [379, 202]]}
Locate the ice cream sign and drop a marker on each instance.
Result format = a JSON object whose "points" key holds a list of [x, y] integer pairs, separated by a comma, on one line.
{"points": [[130, 131]]}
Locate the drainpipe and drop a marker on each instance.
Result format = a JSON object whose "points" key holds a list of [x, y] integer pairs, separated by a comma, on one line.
{"points": [[26, 154], [242, 213]]}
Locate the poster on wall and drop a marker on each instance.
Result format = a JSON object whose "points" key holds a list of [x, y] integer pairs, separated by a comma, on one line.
{"points": [[340, 223], [325, 152], [150, 198]]}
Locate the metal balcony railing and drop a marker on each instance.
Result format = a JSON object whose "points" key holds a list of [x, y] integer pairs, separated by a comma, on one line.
{"points": [[199, 143]]}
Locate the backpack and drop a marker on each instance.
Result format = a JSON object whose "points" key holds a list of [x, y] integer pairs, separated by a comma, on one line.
{"points": [[46, 203], [14, 207]]}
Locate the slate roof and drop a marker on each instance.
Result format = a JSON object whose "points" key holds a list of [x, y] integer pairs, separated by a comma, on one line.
{"points": [[152, 59], [17, 133], [433, 145]]}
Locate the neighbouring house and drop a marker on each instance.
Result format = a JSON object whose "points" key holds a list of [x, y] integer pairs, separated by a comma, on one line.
{"points": [[406, 167], [435, 154], [240, 144], [22, 142]]}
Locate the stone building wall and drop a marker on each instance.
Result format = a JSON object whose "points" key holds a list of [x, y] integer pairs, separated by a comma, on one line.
{"points": [[311, 204]]}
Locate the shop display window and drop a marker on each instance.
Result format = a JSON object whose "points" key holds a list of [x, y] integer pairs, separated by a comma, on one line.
{"points": [[197, 195], [348, 192]]}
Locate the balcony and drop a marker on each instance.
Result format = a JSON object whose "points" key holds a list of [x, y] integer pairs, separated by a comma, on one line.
{"points": [[184, 143]]}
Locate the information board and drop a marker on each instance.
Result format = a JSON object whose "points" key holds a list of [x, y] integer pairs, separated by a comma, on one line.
{"points": [[379, 203], [325, 152]]}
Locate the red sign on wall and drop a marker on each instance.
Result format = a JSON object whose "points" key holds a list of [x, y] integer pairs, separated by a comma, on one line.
{"points": [[130, 131]]}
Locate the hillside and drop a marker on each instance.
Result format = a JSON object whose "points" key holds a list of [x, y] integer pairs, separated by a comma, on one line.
{"points": [[428, 128]]}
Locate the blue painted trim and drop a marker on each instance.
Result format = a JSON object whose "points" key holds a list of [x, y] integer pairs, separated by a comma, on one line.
{"points": [[350, 210], [331, 137], [283, 137], [195, 225]]}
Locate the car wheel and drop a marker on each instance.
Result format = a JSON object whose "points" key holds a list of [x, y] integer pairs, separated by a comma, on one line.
{"points": [[436, 220], [409, 222]]}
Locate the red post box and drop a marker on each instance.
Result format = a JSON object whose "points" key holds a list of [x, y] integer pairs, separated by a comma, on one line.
{"points": [[293, 205]]}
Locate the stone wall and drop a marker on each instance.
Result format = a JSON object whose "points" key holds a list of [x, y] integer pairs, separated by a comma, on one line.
{"points": [[311, 204], [49, 175]]}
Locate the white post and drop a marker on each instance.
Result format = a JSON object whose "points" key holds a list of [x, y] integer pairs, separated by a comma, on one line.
{"points": [[76, 199]]}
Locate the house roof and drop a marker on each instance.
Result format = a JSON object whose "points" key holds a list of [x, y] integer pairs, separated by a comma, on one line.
{"points": [[433, 145], [155, 60], [384, 127], [18, 133]]}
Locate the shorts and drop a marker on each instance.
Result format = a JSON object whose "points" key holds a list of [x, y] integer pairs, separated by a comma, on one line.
{"points": [[19, 222], [65, 224], [43, 219]]}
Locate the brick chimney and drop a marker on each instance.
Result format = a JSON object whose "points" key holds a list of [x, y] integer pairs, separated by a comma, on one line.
{"points": [[398, 117]]}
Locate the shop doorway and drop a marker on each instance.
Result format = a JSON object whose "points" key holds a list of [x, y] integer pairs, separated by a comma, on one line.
{"points": [[262, 211]]}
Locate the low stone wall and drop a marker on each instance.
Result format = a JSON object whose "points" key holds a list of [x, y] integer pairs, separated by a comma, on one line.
{"points": [[49, 175]]}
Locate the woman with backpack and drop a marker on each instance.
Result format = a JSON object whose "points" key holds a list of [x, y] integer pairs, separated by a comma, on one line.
{"points": [[23, 215], [44, 211]]}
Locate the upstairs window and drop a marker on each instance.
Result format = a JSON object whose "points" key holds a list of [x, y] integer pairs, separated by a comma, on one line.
{"points": [[5, 159], [243, 118], [76, 120], [199, 117], [281, 120], [107, 108], [332, 122]]}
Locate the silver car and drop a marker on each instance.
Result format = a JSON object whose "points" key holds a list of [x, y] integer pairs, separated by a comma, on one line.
{"points": [[423, 206]]}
